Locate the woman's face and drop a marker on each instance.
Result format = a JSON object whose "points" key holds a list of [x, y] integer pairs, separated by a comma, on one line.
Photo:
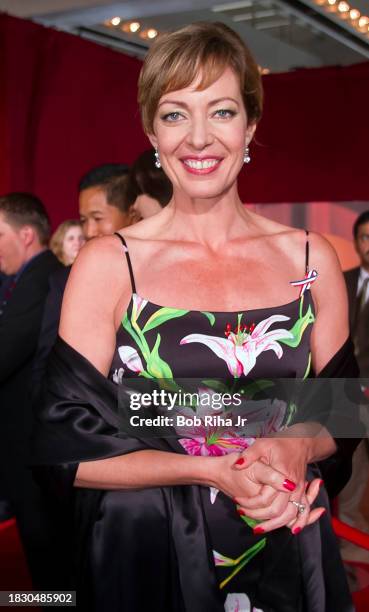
{"points": [[201, 136], [73, 241]]}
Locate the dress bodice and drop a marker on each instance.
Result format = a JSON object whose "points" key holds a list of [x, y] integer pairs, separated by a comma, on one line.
{"points": [[160, 342]]}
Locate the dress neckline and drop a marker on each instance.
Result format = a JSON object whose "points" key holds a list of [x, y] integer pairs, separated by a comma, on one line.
{"points": [[215, 312]]}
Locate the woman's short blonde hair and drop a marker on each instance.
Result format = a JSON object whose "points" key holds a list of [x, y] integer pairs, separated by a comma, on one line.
{"points": [[176, 59], [57, 239]]}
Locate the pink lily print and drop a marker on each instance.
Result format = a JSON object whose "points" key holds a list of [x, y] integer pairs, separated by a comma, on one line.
{"points": [[239, 602], [210, 440], [242, 346]]}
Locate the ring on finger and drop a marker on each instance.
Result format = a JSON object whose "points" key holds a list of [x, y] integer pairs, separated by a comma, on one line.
{"points": [[300, 507]]}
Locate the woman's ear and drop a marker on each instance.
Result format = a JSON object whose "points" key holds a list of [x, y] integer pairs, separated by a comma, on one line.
{"points": [[250, 131], [153, 140]]}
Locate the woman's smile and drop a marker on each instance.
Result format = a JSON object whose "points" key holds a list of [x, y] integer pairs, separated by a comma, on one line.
{"points": [[203, 165]]}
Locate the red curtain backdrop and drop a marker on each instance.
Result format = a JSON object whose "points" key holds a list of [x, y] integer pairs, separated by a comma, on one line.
{"points": [[68, 104]]}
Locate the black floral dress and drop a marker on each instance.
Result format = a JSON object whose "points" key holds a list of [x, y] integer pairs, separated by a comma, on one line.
{"points": [[260, 573], [185, 548]]}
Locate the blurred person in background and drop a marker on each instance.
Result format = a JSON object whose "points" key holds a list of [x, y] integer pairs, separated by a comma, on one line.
{"points": [[28, 263], [103, 205], [67, 240], [354, 499], [148, 188], [103, 208], [357, 283]]}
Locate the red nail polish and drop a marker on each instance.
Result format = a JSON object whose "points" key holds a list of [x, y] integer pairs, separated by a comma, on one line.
{"points": [[296, 530], [321, 483], [323, 512], [289, 485], [240, 461], [257, 530], [241, 512]]}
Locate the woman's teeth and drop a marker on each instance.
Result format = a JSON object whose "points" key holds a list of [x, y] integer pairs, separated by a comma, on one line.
{"points": [[201, 165]]}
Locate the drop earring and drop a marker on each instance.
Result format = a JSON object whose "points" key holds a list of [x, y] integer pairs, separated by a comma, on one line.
{"points": [[157, 158], [246, 157]]}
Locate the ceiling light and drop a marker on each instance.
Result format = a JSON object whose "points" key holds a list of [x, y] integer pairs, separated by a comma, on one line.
{"points": [[332, 2], [115, 21], [354, 14], [134, 26], [343, 7], [150, 33], [363, 21]]}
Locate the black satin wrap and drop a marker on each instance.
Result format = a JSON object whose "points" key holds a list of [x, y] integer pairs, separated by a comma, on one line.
{"points": [[336, 470], [78, 421]]}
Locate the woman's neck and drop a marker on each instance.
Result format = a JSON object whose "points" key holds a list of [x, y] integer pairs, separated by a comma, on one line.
{"points": [[210, 222]]}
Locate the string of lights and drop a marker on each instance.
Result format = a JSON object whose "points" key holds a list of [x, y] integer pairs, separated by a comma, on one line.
{"points": [[343, 10], [132, 27]]}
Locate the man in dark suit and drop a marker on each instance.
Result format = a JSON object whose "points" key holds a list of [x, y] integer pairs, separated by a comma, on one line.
{"points": [[103, 209], [27, 263], [357, 282], [354, 500]]}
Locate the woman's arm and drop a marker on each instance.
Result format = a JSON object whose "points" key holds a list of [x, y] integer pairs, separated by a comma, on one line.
{"points": [[151, 468]]}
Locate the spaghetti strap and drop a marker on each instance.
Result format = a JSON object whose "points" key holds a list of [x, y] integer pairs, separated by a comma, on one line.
{"points": [[310, 275], [125, 248], [307, 252]]}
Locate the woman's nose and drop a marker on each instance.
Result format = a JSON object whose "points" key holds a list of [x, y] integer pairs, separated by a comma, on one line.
{"points": [[200, 134]]}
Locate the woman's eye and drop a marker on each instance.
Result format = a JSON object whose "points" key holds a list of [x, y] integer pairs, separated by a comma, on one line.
{"points": [[225, 113], [172, 116]]}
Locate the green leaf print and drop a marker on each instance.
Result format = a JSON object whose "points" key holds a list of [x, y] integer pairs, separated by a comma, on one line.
{"points": [[161, 316], [210, 316], [307, 371], [137, 336], [298, 329], [156, 366], [249, 521], [243, 560], [291, 412]]}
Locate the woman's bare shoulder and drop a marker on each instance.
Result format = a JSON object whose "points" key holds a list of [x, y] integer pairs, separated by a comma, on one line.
{"points": [[99, 260], [97, 288]]}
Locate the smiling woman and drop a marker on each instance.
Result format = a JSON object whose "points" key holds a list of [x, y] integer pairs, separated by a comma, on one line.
{"points": [[206, 518]]}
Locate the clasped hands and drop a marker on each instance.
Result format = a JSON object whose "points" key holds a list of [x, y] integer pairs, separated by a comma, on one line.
{"points": [[268, 484]]}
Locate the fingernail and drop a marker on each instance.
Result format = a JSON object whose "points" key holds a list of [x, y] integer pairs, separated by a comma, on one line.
{"points": [[306, 485], [321, 483], [296, 530], [241, 512], [289, 485], [257, 530], [323, 512], [240, 461]]}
